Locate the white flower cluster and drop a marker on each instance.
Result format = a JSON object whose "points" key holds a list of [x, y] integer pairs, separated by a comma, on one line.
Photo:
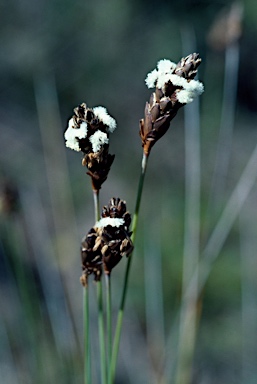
{"points": [[99, 138], [72, 135], [163, 74], [112, 221]]}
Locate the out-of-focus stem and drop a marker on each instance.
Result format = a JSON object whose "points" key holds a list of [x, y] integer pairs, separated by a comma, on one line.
{"points": [[189, 313]]}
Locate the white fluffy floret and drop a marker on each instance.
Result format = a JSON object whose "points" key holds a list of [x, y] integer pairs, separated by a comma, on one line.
{"points": [[166, 66], [151, 78], [184, 97], [103, 116], [72, 135], [112, 221], [195, 86], [192, 89], [174, 79], [98, 139]]}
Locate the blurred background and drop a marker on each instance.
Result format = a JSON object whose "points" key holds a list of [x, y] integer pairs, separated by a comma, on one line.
{"points": [[199, 199]]}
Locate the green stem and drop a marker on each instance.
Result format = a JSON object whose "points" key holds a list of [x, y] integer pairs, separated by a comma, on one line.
{"points": [[117, 334], [100, 305], [109, 318], [96, 205], [87, 356], [101, 332]]}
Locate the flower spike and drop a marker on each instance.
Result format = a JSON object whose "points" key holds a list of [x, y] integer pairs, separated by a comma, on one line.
{"points": [[175, 87], [107, 242], [88, 131]]}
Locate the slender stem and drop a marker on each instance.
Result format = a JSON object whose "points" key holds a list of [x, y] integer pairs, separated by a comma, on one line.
{"points": [[109, 318], [96, 205], [101, 332], [117, 334], [100, 305], [87, 356]]}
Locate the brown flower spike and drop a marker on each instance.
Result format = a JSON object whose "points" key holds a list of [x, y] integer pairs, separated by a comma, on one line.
{"points": [[175, 87], [105, 244]]}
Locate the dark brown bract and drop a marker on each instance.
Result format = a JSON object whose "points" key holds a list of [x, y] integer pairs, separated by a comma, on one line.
{"points": [[117, 209], [98, 165], [91, 256], [187, 67]]}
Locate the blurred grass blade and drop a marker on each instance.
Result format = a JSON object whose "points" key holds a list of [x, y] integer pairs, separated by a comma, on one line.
{"points": [[153, 278], [48, 270], [58, 184], [188, 315], [248, 246], [228, 110], [223, 227]]}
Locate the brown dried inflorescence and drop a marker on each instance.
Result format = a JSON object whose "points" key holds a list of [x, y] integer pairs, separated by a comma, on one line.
{"points": [[105, 244], [164, 105], [98, 165]]}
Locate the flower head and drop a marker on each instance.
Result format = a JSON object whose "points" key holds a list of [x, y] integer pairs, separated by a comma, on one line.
{"points": [[88, 131], [175, 87], [108, 241], [84, 124]]}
